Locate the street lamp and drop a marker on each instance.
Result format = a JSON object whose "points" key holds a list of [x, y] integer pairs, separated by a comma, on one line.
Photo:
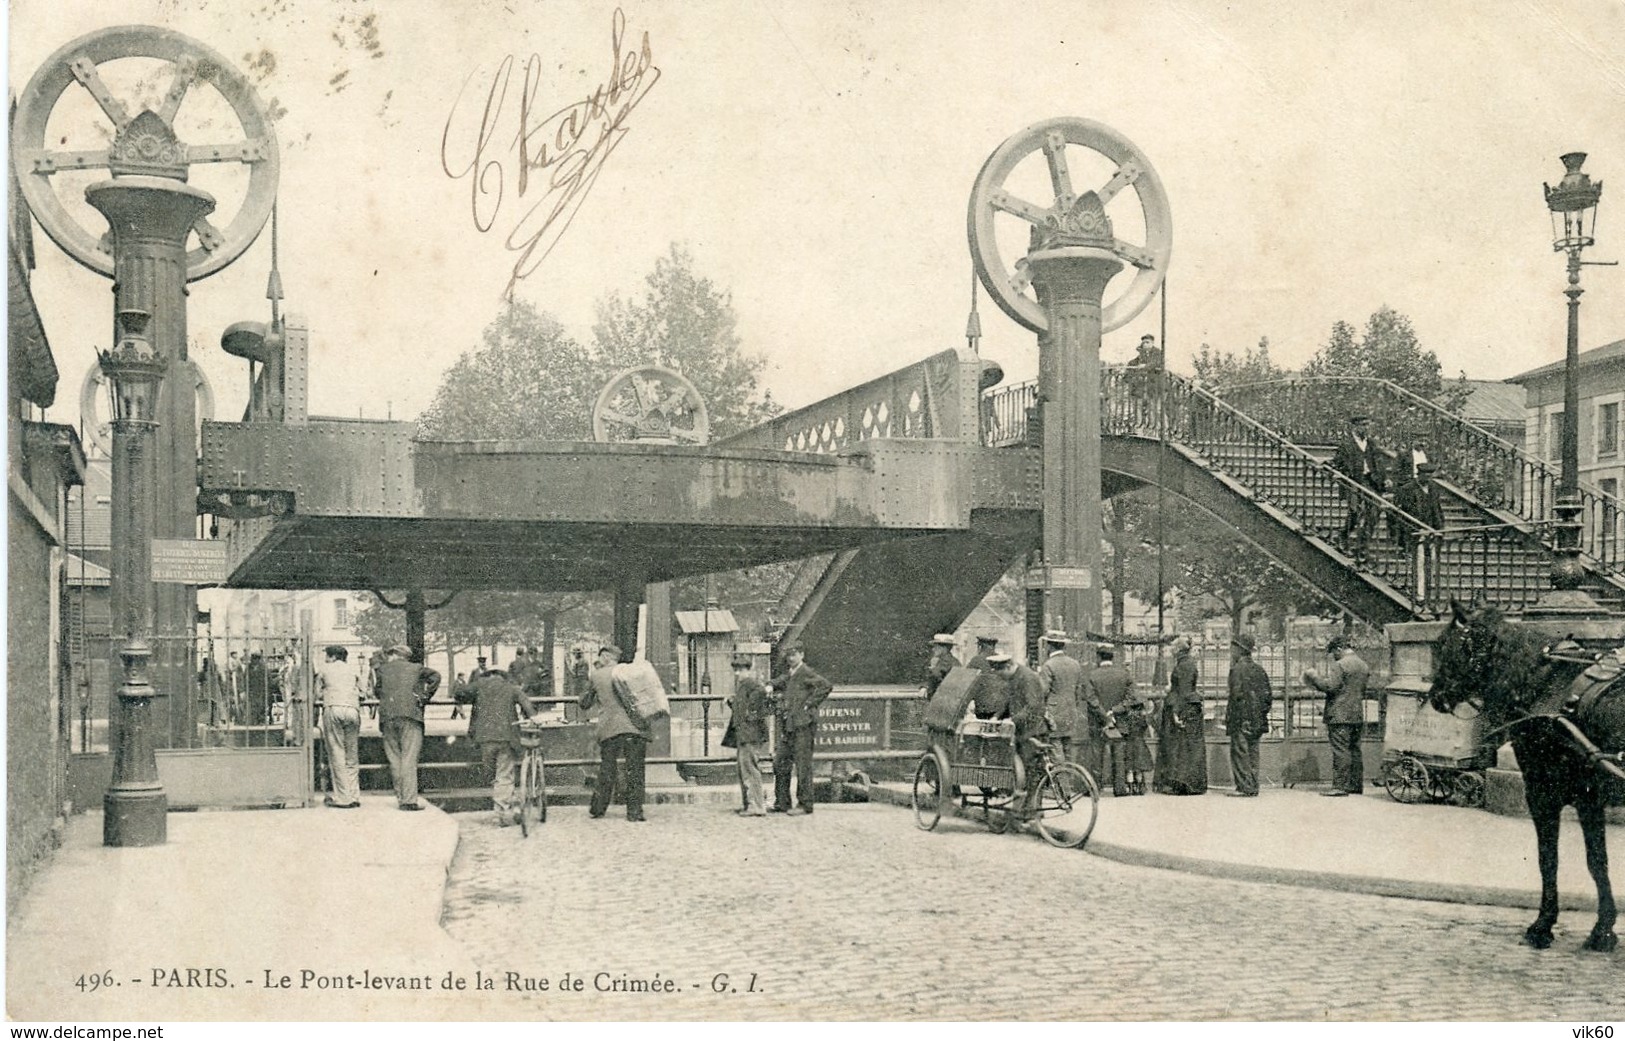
{"points": [[1574, 200], [135, 804]]}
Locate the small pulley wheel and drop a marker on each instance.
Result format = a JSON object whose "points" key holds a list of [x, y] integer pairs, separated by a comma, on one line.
{"points": [[651, 404]]}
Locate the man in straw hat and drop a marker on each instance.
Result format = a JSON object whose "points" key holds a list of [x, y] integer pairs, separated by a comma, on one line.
{"points": [[1062, 677]]}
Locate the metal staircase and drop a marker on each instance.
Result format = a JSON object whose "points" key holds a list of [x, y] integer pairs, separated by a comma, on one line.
{"points": [[1479, 552]]}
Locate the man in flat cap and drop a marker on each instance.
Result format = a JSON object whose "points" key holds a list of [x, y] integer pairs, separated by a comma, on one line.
{"points": [[1062, 677], [338, 690], [1418, 497], [404, 686], [623, 736], [1361, 460], [1344, 685], [1246, 716], [800, 691], [1027, 712], [990, 696]]}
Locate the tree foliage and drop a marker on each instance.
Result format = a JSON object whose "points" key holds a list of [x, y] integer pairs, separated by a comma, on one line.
{"points": [[530, 379], [685, 322], [1212, 569], [1227, 369], [1387, 350]]}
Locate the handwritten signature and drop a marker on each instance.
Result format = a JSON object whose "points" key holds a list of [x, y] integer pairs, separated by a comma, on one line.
{"points": [[562, 152]]}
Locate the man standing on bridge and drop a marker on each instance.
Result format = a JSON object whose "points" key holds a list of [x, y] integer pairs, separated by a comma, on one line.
{"points": [[1360, 460], [404, 687], [989, 697], [801, 691]]}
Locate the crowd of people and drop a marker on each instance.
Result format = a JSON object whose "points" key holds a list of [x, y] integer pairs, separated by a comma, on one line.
{"points": [[1092, 715], [1096, 718]]}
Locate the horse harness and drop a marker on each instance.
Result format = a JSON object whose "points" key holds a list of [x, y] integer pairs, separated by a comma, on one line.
{"points": [[1571, 706]]}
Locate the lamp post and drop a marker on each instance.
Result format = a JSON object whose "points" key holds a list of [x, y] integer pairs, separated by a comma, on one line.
{"points": [[135, 804], [1573, 206]]}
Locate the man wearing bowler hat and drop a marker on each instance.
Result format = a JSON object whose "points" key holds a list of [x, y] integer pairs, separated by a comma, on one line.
{"points": [[1359, 458], [1246, 716]]}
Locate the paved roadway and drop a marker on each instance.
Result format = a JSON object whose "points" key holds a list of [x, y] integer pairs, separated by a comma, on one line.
{"points": [[854, 913]]}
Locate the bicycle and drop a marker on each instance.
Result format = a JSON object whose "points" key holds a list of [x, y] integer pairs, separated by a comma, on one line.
{"points": [[532, 779], [985, 771]]}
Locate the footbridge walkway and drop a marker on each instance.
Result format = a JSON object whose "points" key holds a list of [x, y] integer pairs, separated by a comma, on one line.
{"points": [[906, 498]]}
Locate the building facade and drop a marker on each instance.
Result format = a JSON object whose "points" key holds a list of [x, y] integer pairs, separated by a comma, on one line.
{"points": [[1602, 403], [43, 460]]}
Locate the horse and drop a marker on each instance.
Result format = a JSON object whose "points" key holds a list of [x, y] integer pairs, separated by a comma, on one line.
{"points": [[1561, 709]]}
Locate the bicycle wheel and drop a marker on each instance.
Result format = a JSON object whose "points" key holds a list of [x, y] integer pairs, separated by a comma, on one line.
{"points": [[529, 777], [929, 789], [1068, 802]]}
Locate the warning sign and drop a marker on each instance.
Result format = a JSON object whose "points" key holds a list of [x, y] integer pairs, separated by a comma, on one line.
{"points": [[189, 562]]}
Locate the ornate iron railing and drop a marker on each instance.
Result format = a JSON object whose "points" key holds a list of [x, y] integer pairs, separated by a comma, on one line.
{"points": [[1494, 561], [1314, 410]]}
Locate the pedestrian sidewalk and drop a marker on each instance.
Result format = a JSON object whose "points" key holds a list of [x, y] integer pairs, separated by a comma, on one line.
{"points": [[235, 896], [1359, 844]]}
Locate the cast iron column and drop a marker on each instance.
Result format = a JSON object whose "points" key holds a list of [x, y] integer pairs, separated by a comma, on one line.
{"points": [[150, 218], [1069, 281]]}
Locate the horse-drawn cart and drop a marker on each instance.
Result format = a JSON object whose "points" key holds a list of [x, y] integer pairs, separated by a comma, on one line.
{"points": [[1432, 756]]}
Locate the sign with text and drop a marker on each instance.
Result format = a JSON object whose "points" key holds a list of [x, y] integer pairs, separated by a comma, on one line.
{"points": [[850, 726], [189, 562], [1057, 576]]}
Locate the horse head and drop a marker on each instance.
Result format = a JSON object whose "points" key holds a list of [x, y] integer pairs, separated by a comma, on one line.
{"points": [[1482, 660]]}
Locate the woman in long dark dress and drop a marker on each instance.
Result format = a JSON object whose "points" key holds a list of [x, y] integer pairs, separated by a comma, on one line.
{"points": [[1181, 739]]}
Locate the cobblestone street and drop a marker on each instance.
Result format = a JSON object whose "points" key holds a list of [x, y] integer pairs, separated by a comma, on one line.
{"points": [[853, 913]]}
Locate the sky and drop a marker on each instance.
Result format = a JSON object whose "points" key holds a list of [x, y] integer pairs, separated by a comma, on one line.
{"points": [[1320, 160]]}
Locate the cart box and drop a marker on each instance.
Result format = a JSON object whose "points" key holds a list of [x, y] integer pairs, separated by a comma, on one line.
{"points": [[1416, 728]]}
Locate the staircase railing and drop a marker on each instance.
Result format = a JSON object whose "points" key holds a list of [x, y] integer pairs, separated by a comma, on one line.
{"points": [[1314, 409], [1494, 561]]}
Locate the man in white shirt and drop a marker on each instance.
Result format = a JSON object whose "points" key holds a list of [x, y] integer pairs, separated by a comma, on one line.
{"points": [[339, 690]]}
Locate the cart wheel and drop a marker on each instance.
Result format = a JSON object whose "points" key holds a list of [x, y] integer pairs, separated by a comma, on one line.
{"points": [[1469, 789], [1406, 779], [1441, 784], [1068, 802], [929, 789]]}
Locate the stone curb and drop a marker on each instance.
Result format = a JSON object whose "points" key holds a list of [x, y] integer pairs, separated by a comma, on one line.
{"points": [[1441, 892]]}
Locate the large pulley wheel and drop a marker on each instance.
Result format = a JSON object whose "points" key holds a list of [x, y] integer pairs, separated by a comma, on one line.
{"points": [[141, 144], [651, 404], [1069, 213], [95, 401]]}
